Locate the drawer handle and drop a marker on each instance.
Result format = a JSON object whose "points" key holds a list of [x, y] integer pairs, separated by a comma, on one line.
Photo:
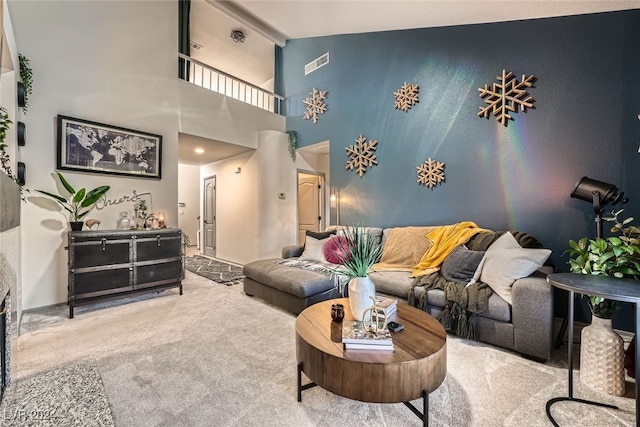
{"points": [[158, 240], [104, 244]]}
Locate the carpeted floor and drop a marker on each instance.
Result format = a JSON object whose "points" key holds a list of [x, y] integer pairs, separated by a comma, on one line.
{"points": [[218, 271], [215, 356], [69, 396]]}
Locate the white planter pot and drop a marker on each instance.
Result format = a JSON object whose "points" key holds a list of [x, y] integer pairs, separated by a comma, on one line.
{"points": [[602, 357], [361, 289]]}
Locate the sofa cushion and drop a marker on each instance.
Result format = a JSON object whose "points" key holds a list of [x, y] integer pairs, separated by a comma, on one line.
{"points": [[314, 249], [403, 247], [506, 261], [319, 234], [461, 264], [395, 283], [296, 281], [497, 308], [336, 250]]}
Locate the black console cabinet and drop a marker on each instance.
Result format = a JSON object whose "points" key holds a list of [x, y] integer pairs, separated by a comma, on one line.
{"points": [[115, 263]]}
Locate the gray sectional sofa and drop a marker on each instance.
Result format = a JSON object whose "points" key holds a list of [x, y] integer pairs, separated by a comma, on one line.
{"points": [[525, 325]]}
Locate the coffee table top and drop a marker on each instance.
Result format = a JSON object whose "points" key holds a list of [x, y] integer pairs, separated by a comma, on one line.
{"points": [[418, 362]]}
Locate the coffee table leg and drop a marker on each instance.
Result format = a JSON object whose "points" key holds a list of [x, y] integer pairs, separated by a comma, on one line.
{"points": [[300, 386], [424, 415]]}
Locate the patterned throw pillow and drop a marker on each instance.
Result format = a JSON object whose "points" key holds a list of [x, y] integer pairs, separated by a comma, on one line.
{"points": [[336, 250]]}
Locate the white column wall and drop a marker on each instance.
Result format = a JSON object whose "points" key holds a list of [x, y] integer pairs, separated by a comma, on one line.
{"points": [[189, 194]]}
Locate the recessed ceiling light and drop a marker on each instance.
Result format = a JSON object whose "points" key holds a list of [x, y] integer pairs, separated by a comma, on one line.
{"points": [[199, 150]]}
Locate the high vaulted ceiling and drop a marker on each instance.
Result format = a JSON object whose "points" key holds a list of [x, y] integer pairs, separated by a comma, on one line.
{"points": [[310, 18], [269, 22]]}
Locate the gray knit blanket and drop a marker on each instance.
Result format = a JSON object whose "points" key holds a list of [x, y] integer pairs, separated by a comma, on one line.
{"points": [[464, 303]]}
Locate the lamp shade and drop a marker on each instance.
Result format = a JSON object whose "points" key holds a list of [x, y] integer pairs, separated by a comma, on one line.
{"points": [[587, 188]]}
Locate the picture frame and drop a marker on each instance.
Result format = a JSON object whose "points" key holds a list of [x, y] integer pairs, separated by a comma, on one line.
{"points": [[88, 146]]}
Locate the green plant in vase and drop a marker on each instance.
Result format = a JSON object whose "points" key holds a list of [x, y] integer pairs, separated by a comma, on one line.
{"points": [[360, 251], [616, 256], [77, 203]]}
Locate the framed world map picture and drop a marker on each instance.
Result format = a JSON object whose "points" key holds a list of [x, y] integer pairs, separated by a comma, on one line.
{"points": [[95, 147]]}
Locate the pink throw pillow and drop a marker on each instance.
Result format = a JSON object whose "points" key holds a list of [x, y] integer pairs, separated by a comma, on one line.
{"points": [[336, 250]]}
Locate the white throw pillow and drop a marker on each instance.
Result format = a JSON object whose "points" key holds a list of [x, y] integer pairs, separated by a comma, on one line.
{"points": [[314, 249], [506, 261]]}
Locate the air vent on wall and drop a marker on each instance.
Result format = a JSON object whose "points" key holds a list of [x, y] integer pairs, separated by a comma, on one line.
{"points": [[316, 63]]}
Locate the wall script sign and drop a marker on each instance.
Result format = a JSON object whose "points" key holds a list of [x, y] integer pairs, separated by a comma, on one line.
{"points": [[134, 197]]}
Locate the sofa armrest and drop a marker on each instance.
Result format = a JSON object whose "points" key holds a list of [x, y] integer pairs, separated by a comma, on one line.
{"points": [[292, 251], [532, 314]]}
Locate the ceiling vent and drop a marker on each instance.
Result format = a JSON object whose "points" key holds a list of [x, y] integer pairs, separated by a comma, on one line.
{"points": [[316, 63], [196, 46]]}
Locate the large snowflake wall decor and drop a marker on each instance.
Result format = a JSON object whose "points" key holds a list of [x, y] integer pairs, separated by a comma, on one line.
{"points": [[315, 105], [505, 97], [431, 173], [361, 155], [406, 97]]}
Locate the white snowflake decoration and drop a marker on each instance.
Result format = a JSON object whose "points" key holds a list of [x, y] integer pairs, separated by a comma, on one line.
{"points": [[406, 97], [431, 173], [505, 97], [315, 105], [361, 155]]}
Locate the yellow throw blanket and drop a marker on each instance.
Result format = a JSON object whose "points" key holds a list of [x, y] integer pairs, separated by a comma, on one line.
{"points": [[443, 240]]}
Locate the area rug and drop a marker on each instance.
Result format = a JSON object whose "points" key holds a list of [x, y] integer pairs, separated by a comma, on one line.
{"points": [[69, 396], [218, 271]]}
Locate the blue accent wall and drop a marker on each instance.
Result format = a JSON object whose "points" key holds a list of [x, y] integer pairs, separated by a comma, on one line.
{"points": [[518, 177]]}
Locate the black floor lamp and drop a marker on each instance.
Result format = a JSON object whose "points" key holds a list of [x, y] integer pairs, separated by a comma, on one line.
{"points": [[600, 194]]}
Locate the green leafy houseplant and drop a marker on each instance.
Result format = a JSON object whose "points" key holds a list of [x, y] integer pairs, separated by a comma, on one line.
{"points": [[617, 256], [79, 202], [360, 251], [293, 143]]}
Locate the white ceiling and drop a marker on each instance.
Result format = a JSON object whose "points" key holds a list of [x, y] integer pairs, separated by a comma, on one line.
{"points": [[310, 18], [269, 22]]}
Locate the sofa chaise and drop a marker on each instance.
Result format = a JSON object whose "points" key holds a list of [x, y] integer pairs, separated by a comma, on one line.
{"points": [[517, 314]]}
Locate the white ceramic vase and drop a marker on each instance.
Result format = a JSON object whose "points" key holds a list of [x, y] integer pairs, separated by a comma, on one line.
{"points": [[602, 357], [361, 289]]}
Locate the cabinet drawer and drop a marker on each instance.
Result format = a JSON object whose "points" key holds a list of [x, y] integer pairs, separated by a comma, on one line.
{"points": [[165, 272], [103, 282], [158, 248], [99, 253]]}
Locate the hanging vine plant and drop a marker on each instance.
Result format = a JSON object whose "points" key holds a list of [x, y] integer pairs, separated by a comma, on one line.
{"points": [[5, 160], [26, 75], [293, 143]]}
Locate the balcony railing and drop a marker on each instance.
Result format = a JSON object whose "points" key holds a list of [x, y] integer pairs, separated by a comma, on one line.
{"points": [[201, 74]]}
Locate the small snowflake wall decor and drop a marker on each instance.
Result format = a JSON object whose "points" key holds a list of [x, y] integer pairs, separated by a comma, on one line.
{"points": [[406, 97], [431, 173], [506, 96], [361, 155], [315, 105]]}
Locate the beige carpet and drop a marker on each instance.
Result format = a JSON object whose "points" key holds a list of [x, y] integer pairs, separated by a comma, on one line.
{"points": [[214, 356]]}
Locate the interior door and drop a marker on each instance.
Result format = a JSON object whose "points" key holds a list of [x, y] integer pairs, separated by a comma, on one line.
{"points": [[209, 220], [309, 204]]}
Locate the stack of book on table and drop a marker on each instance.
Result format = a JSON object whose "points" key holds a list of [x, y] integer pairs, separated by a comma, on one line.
{"points": [[389, 305], [356, 337]]}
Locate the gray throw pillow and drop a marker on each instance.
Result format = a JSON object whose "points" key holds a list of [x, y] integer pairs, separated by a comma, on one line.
{"points": [[320, 235], [461, 264]]}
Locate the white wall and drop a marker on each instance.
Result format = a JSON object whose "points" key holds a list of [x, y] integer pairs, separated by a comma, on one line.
{"points": [[252, 221], [112, 62], [189, 194]]}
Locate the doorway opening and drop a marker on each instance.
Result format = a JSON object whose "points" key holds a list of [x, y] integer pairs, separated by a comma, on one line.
{"points": [[209, 217], [311, 189]]}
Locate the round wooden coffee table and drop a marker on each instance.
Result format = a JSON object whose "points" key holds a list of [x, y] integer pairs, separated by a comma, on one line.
{"points": [[416, 367]]}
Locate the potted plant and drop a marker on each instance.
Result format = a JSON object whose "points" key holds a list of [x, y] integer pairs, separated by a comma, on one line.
{"points": [[360, 251], [616, 256], [78, 203]]}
